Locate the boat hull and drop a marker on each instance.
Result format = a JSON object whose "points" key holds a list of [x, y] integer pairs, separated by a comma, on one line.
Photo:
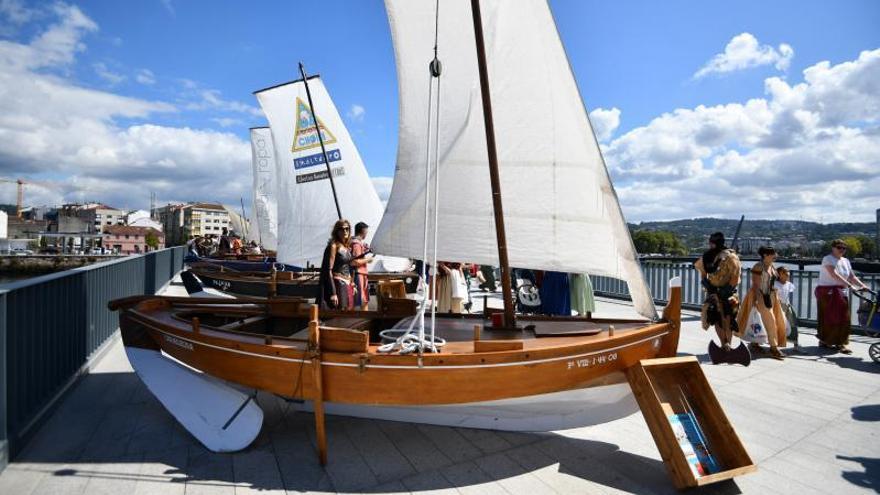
{"points": [[249, 286], [591, 405], [244, 263], [382, 380]]}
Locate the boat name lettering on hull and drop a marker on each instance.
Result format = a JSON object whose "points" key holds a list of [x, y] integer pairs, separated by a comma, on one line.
{"points": [[178, 342], [221, 284], [592, 361]]}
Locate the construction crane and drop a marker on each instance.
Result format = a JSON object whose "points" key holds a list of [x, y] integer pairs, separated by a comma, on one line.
{"points": [[20, 198]]}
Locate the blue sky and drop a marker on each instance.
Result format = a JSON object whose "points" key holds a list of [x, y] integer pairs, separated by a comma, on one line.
{"points": [[192, 65]]}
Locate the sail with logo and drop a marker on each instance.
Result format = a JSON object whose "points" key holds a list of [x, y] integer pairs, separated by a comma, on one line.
{"points": [[303, 192], [265, 229]]}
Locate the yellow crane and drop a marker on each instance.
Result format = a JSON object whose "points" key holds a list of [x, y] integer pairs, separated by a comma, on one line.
{"points": [[20, 198]]}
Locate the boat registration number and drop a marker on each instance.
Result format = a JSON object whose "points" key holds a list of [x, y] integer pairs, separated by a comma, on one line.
{"points": [[179, 342], [593, 361]]}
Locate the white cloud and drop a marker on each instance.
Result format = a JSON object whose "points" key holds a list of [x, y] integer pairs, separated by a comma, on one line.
{"points": [[113, 78], [744, 52], [227, 122], [15, 12], [605, 122], [211, 99], [50, 126], [809, 150], [145, 76], [356, 113], [55, 47]]}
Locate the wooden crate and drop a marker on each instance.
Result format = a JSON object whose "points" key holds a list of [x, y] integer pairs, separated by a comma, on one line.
{"points": [[660, 387]]}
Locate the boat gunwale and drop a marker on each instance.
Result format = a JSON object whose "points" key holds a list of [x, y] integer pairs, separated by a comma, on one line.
{"points": [[258, 348]]}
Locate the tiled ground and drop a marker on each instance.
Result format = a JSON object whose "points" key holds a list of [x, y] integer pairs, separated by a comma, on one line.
{"points": [[810, 422]]}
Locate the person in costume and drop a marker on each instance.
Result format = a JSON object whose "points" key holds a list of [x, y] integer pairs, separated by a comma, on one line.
{"points": [[488, 278], [835, 276], [719, 269], [763, 297], [582, 300], [784, 291], [359, 251], [337, 289], [451, 290], [555, 294]]}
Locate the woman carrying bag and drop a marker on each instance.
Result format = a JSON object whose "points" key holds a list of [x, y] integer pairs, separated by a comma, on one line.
{"points": [[762, 297]]}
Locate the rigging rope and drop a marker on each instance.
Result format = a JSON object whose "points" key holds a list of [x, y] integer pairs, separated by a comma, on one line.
{"points": [[407, 343]]}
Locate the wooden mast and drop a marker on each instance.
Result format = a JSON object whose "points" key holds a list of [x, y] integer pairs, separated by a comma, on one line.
{"points": [[302, 71], [495, 180]]}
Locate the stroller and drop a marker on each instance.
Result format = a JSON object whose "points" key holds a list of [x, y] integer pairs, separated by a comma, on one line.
{"points": [[528, 299], [869, 319]]}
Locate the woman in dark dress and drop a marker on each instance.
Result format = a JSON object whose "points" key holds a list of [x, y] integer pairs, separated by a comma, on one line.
{"points": [[337, 288]]}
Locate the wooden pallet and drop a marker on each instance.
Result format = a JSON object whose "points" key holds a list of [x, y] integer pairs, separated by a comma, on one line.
{"points": [[668, 386]]}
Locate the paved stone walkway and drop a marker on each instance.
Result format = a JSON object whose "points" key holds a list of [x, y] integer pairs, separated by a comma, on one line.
{"points": [[810, 422]]}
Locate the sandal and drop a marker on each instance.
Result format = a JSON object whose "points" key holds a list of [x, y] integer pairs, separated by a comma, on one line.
{"points": [[844, 349], [756, 348], [776, 354]]}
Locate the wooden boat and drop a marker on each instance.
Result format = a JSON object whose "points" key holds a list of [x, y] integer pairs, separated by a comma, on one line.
{"points": [[241, 263], [284, 283], [554, 373], [523, 373], [300, 237], [514, 378], [497, 370]]}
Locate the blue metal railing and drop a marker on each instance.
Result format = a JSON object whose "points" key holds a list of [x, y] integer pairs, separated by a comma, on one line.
{"points": [[51, 326], [658, 273]]}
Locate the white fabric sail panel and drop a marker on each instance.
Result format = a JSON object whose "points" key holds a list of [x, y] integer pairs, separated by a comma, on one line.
{"points": [[306, 211], [265, 211], [560, 209]]}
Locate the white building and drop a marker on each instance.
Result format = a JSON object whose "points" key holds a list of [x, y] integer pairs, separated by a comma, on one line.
{"points": [[4, 224], [200, 219]]}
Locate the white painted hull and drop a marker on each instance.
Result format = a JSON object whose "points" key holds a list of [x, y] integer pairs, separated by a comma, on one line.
{"points": [[546, 412]]}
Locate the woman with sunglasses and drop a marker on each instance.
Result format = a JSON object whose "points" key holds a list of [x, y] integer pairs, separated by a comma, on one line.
{"points": [[337, 290], [835, 276]]}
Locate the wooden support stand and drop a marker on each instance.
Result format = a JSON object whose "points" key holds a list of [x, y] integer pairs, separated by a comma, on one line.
{"points": [[315, 346], [665, 387]]}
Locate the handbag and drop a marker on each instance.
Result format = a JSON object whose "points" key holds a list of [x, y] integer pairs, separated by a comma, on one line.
{"points": [[755, 331]]}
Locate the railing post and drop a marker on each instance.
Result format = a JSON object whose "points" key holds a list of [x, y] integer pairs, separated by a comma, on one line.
{"points": [[4, 433], [149, 274]]}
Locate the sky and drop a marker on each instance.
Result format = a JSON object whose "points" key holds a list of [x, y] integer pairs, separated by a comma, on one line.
{"points": [[768, 109]]}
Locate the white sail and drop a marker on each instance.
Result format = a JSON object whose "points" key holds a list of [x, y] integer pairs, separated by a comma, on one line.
{"points": [[560, 209], [306, 210], [264, 226]]}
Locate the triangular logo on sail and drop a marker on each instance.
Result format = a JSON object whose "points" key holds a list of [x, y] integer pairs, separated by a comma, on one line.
{"points": [[306, 134]]}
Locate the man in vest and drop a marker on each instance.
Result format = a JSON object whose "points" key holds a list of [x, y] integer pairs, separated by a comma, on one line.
{"points": [[720, 271]]}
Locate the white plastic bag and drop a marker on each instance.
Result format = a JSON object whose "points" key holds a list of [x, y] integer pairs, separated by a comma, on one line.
{"points": [[459, 285], [787, 323], [755, 331]]}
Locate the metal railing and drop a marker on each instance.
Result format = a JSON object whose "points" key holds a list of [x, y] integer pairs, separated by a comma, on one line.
{"points": [[658, 273], [51, 326]]}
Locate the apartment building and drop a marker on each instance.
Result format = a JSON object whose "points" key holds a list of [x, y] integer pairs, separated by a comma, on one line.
{"points": [[200, 219]]}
